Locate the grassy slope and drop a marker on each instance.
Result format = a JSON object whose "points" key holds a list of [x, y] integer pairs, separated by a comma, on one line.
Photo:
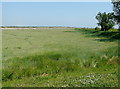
{"points": [[57, 57]]}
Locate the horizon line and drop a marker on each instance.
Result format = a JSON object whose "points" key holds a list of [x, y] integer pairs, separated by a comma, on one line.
{"points": [[46, 26]]}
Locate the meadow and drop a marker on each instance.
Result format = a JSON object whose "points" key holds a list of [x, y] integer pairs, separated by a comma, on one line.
{"points": [[59, 57]]}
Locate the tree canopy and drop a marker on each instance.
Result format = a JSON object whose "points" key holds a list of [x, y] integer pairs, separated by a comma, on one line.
{"points": [[105, 20], [116, 9]]}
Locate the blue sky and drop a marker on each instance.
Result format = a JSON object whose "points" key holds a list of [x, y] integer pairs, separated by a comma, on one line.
{"points": [[0, 13], [77, 14]]}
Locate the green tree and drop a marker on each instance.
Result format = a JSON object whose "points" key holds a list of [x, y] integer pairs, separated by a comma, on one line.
{"points": [[116, 9], [105, 20]]}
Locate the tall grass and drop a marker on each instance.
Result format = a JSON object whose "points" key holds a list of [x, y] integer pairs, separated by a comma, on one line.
{"points": [[54, 63], [40, 57], [111, 35]]}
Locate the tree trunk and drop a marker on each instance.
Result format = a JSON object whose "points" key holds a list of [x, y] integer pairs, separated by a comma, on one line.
{"points": [[102, 29], [119, 27]]}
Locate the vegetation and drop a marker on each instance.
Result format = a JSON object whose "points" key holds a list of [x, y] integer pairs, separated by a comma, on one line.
{"points": [[96, 28], [116, 8], [105, 20], [60, 58]]}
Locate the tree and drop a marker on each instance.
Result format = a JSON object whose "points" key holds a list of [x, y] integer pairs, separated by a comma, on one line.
{"points": [[116, 9], [106, 20], [96, 28]]}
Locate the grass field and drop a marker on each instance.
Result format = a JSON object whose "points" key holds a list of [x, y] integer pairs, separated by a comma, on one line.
{"points": [[59, 58]]}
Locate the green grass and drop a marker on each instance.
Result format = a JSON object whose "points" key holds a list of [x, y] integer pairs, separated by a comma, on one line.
{"points": [[110, 35], [58, 58]]}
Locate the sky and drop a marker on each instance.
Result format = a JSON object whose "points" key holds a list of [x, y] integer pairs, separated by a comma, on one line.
{"points": [[56, 0], [74, 14], [0, 13]]}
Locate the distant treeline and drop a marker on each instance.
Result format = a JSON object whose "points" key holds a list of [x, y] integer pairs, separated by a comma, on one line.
{"points": [[32, 26], [18, 26]]}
